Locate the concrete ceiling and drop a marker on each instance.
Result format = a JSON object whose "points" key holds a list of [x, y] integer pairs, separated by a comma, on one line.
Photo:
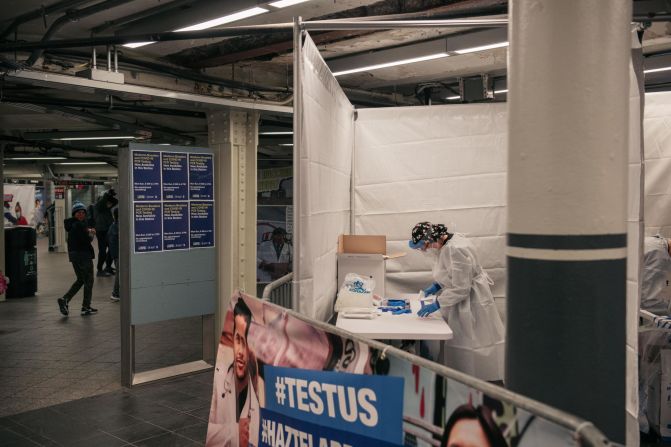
{"points": [[257, 67]]}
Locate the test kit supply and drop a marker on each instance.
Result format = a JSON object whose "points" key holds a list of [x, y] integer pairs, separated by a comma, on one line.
{"points": [[367, 313], [356, 291]]}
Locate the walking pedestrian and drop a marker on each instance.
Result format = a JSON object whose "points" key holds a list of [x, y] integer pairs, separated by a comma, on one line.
{"points": [[80, 254], [104, 219]]}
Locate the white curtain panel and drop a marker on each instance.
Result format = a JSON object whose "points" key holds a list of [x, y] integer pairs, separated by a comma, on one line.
{"points": [[443, 164], [326, 143], [657, 138], [635, 236]]}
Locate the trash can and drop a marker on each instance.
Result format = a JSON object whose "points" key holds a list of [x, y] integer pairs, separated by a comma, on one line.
{"points": [[21, 261]]}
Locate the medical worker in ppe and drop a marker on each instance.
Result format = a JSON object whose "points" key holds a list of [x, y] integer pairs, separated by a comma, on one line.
{"points": [[465, 301], [655, 293]]}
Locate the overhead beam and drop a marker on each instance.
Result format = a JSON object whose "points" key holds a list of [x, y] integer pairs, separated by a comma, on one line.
{"points": [[75, 83]]}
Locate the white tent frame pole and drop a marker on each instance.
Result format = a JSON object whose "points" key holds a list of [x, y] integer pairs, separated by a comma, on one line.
{"points": [[297, 116]]}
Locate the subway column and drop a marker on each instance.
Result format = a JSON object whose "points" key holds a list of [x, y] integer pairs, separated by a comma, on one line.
{"points": [[567, 196]]}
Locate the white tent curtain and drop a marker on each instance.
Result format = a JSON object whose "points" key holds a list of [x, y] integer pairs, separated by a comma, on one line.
{"points": [[325, 146], [657, 137], [634, 235], [443, 164]]}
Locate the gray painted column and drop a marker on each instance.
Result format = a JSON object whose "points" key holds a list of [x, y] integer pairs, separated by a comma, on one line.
{"points": [[233, 136], [567, 196]]}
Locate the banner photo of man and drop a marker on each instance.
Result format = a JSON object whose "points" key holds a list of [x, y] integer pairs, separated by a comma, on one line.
{"points": [[279, 381], [257, 334]]}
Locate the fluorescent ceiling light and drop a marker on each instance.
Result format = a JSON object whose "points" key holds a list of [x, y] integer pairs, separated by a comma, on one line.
{"points": [[453, 97], [482, 48], [36, 158], [84, 163], [285, 3], [163, 144], [392, 64], [276, 133], [212, 23], [225, 19], [501, 91], [137, 44], [123, 137], [108, 145], [657, 70], [286, 144]]}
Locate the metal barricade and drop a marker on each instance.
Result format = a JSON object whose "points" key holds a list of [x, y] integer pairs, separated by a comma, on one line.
{"points": [[279, 291]]}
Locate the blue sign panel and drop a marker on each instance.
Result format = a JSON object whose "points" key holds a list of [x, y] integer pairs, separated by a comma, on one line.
{"points": [[146, 176], [175, 171], [175, 225], [147, 218], [278, 430], [201, 177], [354, 403], [201, 224]]}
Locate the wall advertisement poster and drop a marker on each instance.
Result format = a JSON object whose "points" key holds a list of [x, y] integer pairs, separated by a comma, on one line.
{"points": [[173, 195]]}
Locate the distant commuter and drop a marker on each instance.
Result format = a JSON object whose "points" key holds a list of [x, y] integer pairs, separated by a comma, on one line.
{"points": [[113, 241], [80, 254], [104, 219]]}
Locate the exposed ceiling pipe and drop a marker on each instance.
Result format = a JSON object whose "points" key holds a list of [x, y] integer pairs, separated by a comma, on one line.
{"points": [[41, 100], [140, 15], [180, 72], [83, 115], [41, 12], [48, 145], [72, 16], [322, 25]]}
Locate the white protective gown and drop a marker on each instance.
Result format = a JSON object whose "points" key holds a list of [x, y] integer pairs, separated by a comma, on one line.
{"points": [[656, 268], [266, 252], [467, 305]]}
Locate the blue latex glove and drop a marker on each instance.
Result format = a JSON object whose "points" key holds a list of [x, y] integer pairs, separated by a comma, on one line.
{"points": [[401, 311], [432, 289], [428, 309]]}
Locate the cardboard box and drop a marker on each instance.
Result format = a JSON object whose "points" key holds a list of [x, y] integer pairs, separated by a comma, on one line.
{"points": [[364, 255]]}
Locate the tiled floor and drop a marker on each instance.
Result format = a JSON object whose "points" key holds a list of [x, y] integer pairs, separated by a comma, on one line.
{"points": [[46, 359], [172, 413]]}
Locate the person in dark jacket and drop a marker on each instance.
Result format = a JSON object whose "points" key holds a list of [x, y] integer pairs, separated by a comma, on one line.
{"points": [[103, 220], [113, 241], [80, 254]]}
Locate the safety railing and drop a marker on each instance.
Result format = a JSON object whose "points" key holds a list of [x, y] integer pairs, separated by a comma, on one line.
{"points": [[279, 291], [649, 319]]}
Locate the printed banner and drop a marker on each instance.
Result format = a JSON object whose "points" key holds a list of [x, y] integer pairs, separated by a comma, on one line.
{"points": [[281, 382], [278, 430], [352, 402]]}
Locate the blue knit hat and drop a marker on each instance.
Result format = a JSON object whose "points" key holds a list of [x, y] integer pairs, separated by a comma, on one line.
{"points": [[78, 206]]}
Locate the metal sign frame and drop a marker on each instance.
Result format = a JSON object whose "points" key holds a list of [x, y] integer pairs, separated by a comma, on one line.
{"points": [[129, 376]]}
